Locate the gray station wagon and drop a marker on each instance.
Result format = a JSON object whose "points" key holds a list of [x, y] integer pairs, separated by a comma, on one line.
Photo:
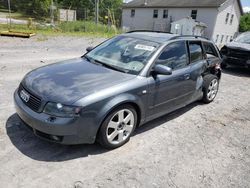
{"points": [[117, 86]]}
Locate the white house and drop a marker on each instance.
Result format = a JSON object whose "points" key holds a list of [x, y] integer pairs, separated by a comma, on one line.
{"points": [[222, 17], [188, 26]]}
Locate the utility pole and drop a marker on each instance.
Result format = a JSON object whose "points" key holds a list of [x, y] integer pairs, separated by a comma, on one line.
{"points": [[52, 12], [96, 11], [9, 14]]}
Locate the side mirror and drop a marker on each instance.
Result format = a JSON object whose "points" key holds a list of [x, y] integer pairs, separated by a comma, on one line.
{"points": [[162, 70], [90, 48]]}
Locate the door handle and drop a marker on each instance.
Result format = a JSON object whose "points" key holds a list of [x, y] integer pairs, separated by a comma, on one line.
{"points": [[186, 76]]}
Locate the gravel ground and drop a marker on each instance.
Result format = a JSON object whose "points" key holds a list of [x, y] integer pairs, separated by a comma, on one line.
{"points": [[197, 146]]}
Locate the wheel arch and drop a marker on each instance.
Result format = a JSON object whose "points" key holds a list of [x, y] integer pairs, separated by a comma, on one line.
{"points": [[116, 103]]}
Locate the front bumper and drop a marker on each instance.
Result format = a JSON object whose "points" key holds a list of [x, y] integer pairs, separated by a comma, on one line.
{"points": [[55, 129], [237, 61]]}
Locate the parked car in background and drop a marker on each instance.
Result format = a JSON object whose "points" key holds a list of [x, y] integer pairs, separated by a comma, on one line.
{"points": [[119, 85], [237, 52]]}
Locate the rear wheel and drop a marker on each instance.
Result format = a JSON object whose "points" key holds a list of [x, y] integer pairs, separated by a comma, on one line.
{"points": [[118, 127], [210, 88]]}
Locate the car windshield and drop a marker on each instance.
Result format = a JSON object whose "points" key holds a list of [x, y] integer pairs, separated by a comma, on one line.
{"points": [[243, 38], [122, 53]]}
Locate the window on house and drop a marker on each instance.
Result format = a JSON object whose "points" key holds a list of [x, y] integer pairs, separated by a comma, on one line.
{"points": [[194, 14], [155, 14], [232, 19], [174, 56], [133, 13], [227, 38], [165, 13], [222, 39], [227, 18], [196, 53], [217, 38]]}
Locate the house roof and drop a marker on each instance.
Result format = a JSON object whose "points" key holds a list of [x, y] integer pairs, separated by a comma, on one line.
{"points": [[176, 3]]}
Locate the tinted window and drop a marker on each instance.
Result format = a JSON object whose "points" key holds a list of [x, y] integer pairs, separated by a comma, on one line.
{"points": [[210, 49], [195, 51], [174, 56]]}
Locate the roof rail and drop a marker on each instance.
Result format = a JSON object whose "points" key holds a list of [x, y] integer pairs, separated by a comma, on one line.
{"points": [[133, 31], [188, 36]]}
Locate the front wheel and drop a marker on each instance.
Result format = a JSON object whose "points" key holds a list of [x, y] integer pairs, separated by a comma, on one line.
{"points": [[210, 88], [118, 127]]}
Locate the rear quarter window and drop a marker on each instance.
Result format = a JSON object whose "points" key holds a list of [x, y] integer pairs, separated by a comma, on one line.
{"points": [[196, 52], [210, 50]]}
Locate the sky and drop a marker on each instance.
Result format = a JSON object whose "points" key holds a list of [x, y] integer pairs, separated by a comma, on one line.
{"points": [[245, 4]]}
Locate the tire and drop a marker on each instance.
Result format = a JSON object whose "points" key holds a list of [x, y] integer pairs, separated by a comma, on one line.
{"points": [[117, 127], [210, 88]]}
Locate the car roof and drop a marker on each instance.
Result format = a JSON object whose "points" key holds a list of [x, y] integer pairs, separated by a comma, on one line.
{"points": [[162, 37]]}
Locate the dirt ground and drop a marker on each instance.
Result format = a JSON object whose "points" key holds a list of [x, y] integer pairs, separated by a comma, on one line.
{"points": [[197, 146]]}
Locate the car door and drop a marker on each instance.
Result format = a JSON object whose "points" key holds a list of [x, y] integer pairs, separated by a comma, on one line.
{"points": [[198, 65], [169, 92]]}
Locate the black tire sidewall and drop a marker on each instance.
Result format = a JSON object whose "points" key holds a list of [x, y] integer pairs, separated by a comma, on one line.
{"points": [[102, 138]]}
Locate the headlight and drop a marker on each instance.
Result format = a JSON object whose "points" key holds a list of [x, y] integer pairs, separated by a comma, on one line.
{"points": [[58, 109]]}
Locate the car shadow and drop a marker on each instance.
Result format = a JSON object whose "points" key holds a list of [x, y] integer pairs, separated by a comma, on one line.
{"points": [[237, 71], [30, 145], [168, 117]]}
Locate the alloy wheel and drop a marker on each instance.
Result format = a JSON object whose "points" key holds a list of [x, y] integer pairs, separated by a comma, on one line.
{"points": [[120, 126]]}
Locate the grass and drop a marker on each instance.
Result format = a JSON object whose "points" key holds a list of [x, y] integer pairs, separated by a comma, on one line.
{"points": [[78, 28]]}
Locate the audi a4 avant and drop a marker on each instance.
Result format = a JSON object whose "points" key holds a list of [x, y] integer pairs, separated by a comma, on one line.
{"points": [[117, 86]]}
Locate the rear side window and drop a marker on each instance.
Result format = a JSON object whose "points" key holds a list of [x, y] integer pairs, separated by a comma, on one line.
{"points": [[174, 55], [210, 49], [196, 53]]}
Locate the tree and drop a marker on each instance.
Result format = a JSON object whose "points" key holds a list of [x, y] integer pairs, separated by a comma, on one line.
{"points": [[245, 23], [36, 8]]}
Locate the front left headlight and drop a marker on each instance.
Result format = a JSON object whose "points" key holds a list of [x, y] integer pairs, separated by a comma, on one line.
{"points": [[60, 110]]}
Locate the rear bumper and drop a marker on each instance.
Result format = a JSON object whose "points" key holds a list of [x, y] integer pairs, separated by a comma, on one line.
{"points": [[59, 129]]}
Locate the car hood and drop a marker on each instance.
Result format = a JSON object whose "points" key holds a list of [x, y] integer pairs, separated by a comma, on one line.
{"points": [[69, 81], [237, 45]]}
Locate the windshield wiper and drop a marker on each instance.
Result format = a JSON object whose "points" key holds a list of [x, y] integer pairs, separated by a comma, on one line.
{"points": [[113, 67], [105, 65]]}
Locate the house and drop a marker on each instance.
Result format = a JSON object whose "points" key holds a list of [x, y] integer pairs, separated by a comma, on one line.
{"points": [[188, 26], [222, 17]]}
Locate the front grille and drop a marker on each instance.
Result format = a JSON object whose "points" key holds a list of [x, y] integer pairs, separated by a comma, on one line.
{"points": [[34, 103], [241, 54]]}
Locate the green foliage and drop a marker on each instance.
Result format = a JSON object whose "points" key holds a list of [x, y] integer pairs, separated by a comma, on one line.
{"points": [[85, 26], [245, 23], [35, 8]]}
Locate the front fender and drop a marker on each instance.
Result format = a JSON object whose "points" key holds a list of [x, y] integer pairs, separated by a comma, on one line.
{"points": [[124, 98]]}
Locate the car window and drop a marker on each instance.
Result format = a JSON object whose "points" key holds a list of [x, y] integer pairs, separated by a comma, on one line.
{"points": [[174, 55], [196, 53], [210, 49]]}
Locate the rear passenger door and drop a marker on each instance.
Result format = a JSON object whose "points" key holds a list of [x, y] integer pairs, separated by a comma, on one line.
{"points": [[198, 65]]}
